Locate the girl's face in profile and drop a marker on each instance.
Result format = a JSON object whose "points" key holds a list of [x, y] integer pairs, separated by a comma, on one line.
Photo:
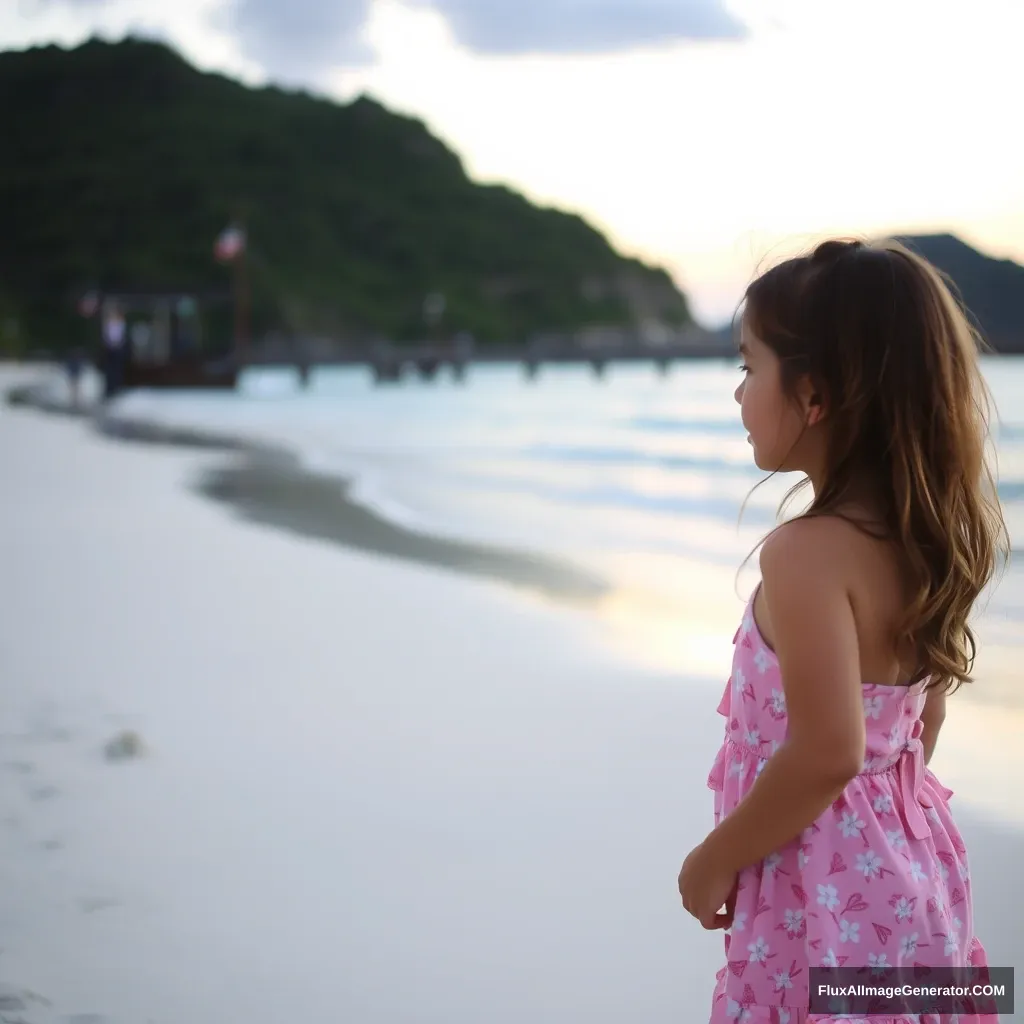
{"points": [[773, 424]]}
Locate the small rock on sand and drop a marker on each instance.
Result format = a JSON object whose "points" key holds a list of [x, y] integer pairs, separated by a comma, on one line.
{"points": [[124, 746]]}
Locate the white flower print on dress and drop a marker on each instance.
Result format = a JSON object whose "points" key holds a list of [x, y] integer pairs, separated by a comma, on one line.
{"points": [[737, 768], [762, 661], [830, 959], [953, 938], [771, 862], [759, 951], [903, 908], [739, 921], [753, 738], [793, 921], [739, 680], [849, 931], [802, 858], [883, 804], [917, 873], [776, 704], [828, 897], [908, 944], [761, 765], [878, 962], [869, 864], [896, 839], [873, 706], [851, 825], [738, 1013], [782, 980]]}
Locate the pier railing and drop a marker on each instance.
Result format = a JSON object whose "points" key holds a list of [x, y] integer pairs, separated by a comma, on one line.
{"points": [[391, 362]]}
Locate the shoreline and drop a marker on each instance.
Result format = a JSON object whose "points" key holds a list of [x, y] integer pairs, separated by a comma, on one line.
{"points": [[268, 485]]}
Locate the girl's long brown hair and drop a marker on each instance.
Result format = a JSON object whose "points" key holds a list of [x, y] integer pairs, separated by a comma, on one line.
{"points": [[879, 333]]}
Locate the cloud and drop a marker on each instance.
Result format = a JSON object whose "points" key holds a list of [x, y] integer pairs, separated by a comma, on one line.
{"points": [[582, 26], [30, 7], [298, 40], [308, 36]]}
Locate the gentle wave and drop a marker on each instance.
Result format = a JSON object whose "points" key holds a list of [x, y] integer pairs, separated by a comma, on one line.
{"points": [[1012, 490], [674, 425], [731, 427], [723, 509], [1009, 490], [640, 457]]}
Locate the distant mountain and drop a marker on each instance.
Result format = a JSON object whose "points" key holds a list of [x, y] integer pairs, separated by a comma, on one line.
{"points": [[122, 163], [991, 289]]}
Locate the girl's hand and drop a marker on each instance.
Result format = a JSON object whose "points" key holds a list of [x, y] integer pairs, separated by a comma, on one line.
{"points": [[705, 886]]}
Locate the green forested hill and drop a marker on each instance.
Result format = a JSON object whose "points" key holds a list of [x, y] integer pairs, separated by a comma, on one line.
{"points": [[122, 163]]}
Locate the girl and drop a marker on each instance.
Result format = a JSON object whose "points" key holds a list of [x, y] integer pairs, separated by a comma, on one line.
{"points": [[833, 843]]}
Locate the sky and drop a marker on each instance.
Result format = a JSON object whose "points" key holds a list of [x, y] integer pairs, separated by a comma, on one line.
{"points": [[706, 136]]}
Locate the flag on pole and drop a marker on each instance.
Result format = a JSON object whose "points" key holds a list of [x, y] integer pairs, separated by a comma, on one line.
{"points": [[230, 243]]}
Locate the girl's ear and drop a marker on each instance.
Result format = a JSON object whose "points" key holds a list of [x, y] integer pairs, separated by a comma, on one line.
{"points": [[815, 409], [813, 402]]}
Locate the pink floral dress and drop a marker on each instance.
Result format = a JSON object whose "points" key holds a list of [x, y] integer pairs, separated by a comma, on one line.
{"points": [[880, 879]]}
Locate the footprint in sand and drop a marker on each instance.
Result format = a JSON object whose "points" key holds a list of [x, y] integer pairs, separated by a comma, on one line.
{"points": [[91, 906], [13, 1003], [9, 1002]]}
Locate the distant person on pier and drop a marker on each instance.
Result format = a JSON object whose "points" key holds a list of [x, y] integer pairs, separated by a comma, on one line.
{"points": [[73, 366], [115, 352]]}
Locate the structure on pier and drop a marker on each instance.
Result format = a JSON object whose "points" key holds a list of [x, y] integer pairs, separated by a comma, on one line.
{"points": [[163, 343]]}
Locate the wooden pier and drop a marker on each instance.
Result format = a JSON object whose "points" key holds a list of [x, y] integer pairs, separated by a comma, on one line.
{"points": [[391, 364]]}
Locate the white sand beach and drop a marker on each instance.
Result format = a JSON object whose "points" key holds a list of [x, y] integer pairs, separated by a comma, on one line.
{"points": [[368, 792]]}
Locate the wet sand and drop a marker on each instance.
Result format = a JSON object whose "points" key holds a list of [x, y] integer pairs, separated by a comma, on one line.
{"points": [[267, 485]]}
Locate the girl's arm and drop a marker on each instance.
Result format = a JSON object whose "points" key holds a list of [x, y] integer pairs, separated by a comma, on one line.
{"points": [[816, 644], [933, 715]]}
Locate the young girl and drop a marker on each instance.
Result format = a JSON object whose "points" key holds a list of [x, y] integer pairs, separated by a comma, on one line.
{"points": [[833, 843]]}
